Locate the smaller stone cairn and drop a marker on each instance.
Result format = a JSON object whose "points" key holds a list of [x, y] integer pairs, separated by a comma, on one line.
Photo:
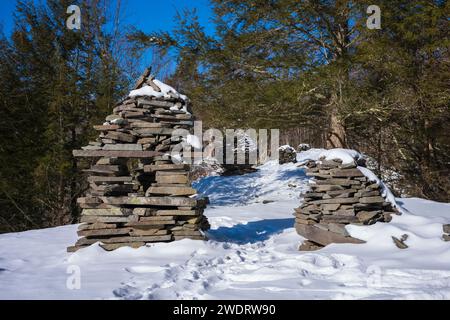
{"points": [[244, 144], [340, 195], [287, 154], [446, 235], [303, 147]]}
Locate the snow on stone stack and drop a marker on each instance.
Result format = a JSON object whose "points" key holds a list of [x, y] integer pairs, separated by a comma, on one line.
{"points": [[340, 195], [287, 154], [147, 199], [303, 147]]}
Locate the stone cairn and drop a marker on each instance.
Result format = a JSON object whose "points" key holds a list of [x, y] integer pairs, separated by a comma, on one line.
{"points": [[446, 229], [136, 194], [287, 154], [340, 195], [303, 147]]}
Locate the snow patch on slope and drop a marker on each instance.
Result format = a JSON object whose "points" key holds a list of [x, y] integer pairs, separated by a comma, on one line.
{"points": [[272, 182]]}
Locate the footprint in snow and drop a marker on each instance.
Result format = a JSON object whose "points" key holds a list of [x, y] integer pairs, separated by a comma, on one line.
{"points": [[144, 269]]}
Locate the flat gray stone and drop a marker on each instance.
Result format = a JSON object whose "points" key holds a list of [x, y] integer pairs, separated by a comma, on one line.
{"points": [[367, 216], [138, 239], [330, 207], [336, 200], [339, 192], [338, 228], [323, 237], [399, 243], [344, 212], [104, 232], [370, 200], [339, 219], [122, 147], [341, 173], [309, 246], [173, 191], [373, 193], [350, 165], [324, 188]]}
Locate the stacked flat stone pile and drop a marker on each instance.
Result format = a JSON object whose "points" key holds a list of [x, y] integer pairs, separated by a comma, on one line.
{"points": [[287, 154], [446, 235], [137, 195], [340, 195]]}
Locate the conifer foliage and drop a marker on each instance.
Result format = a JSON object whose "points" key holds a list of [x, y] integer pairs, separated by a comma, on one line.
{"points": [[55, 83], [315, 65], [311, 68]]}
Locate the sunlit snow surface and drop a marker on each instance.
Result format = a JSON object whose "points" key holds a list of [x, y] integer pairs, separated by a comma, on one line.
{"points": [[252, 254]]}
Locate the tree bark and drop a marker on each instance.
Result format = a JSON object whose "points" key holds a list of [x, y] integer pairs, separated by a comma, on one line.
{"points": [[336, 137]]}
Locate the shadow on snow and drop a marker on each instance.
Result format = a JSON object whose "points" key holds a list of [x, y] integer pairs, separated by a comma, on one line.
{"points": [[250, 232]]}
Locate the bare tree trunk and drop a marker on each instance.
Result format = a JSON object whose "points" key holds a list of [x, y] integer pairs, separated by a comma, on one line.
{"points": [[336, 137], [73, 184]]}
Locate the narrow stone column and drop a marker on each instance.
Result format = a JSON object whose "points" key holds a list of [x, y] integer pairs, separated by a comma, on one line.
{"points": [[137, 194]]}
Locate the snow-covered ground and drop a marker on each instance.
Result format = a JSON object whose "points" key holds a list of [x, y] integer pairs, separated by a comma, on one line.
{"points": [[252, 253]]}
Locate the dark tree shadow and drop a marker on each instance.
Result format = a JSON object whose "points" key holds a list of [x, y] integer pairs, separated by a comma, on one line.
{"points": [[251, 232]]}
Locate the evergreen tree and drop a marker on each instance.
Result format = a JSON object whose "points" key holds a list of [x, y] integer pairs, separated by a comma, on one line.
{"points": [[57, 84], [315, 65]]}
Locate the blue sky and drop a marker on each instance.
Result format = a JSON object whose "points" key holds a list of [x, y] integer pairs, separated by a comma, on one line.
{"points": [[147, 15], [6, 12]]}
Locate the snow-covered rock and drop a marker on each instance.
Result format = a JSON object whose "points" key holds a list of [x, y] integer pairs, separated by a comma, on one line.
{"points": [[303, 147], [287, 154], [166, 91], [347, 156]]}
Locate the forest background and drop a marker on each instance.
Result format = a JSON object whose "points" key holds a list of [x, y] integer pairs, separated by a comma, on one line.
{"points": [[310, 68]]}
